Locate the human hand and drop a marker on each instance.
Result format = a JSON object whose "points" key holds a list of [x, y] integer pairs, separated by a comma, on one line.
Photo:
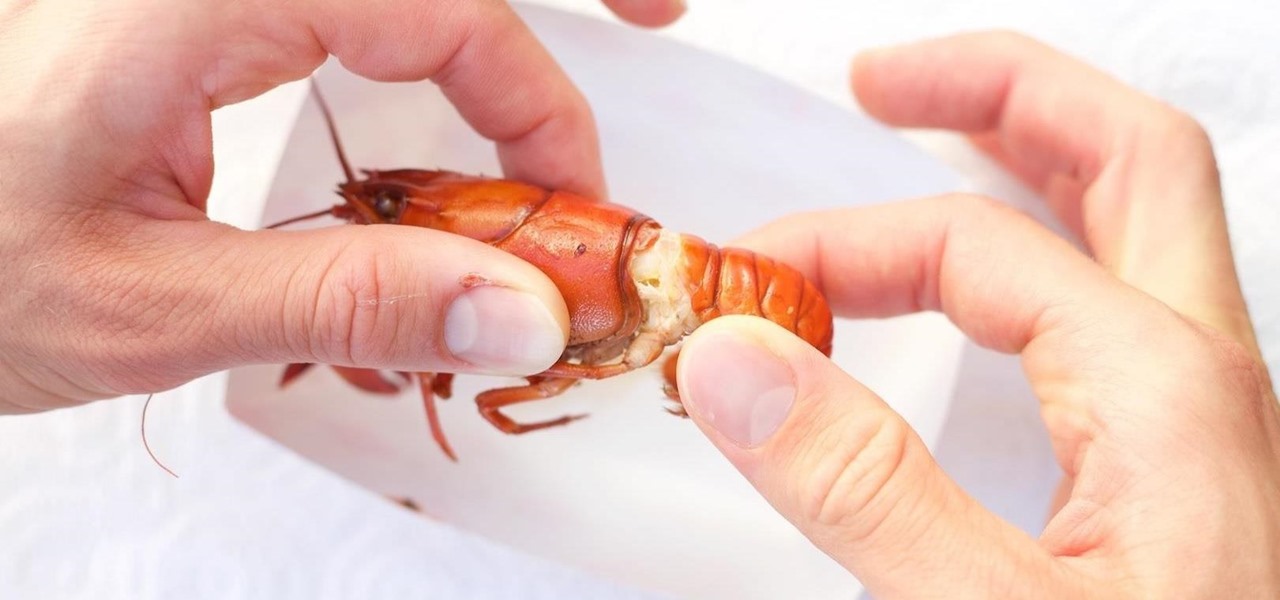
{"points": [[1151, 387], [117, 282]]}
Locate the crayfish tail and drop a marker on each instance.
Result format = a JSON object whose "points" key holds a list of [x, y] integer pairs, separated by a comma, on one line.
{"points": [[736, 281]]}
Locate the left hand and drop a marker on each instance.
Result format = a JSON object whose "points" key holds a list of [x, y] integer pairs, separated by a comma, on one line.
{"points": [[116, 281]]}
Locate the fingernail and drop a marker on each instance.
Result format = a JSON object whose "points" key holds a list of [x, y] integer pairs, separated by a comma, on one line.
{"points": [[739, 388], [504, 331]]}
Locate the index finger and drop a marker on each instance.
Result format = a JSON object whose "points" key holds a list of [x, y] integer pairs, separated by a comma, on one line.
{"points": [[1133, 177], [481, 54], [1012, 285], [998, 275]]}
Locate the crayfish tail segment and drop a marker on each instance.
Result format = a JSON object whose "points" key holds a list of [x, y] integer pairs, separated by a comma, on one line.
{"points": [[293, 371], [491, 403], [735, 281], [427, 381]]}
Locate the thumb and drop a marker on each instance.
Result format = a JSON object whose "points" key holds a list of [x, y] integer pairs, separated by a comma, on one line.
{"points": [[846, 470], [205, 297], [395, 297]]}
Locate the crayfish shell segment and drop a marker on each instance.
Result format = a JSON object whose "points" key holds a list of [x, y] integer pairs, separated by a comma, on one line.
{"points": [[660, 274]]}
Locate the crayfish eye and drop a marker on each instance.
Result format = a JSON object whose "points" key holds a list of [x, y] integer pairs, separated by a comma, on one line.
{"points": [[387, 204]]}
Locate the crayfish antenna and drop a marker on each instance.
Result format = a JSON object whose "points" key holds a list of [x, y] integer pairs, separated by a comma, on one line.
{"points": [[333, 130], [306, 217], [144, 438]]}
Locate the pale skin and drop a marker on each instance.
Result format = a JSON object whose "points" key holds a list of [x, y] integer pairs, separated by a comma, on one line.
{"points": [[1161, 413], [116, 281], [1140, 350]]}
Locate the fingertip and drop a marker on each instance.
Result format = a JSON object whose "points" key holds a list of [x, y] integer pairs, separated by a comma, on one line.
{"points": [[648, 13], [862, 78], [740, 377], [504, 331], [862, 72], [874, 77], [946, 82]]}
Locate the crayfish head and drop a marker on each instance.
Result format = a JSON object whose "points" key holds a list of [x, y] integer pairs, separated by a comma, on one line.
{"points": [[371, 202], [481, 208]]}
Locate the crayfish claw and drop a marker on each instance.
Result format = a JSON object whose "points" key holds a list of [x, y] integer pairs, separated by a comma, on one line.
{"points": [[374, 381], [293, 371], [519, 428]]}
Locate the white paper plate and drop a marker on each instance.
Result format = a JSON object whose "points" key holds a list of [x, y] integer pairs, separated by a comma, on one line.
{"points": [[703, 145]]}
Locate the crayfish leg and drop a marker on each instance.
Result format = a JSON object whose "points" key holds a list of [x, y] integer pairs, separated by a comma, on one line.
{"points": [[641, 353], [491, 402], [428, 383]]}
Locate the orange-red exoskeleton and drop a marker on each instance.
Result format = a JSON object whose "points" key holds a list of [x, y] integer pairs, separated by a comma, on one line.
{"points": [[632, 288]]}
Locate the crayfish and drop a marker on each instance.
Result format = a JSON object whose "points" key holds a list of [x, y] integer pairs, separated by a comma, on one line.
{"points": [[632, 288]]}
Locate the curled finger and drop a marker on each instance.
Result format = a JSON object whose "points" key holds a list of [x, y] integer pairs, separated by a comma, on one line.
{"points": [[486, 60], [1134, 178], [647, 13]]}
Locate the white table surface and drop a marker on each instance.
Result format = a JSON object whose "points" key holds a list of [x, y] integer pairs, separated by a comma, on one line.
{"points": [[85, 515]]}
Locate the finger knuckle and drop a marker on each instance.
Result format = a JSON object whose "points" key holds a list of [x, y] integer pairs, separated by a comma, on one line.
{"points": [[978, 204], [796, 222], [852, 480], [1181, 134], [378, 58], [462, 24], [982, 212], [1239, 368], [1185, 126], [348, 323], [1221, 381]]}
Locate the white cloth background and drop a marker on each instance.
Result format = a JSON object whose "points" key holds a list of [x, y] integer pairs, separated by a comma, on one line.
{"points": [[83, 513]]}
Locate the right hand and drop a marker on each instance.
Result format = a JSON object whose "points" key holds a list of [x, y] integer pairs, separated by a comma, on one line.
{"points": [[1152, 390]]}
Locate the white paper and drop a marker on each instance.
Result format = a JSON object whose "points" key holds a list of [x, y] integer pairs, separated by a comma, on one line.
{"points": [[703, 145]]}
